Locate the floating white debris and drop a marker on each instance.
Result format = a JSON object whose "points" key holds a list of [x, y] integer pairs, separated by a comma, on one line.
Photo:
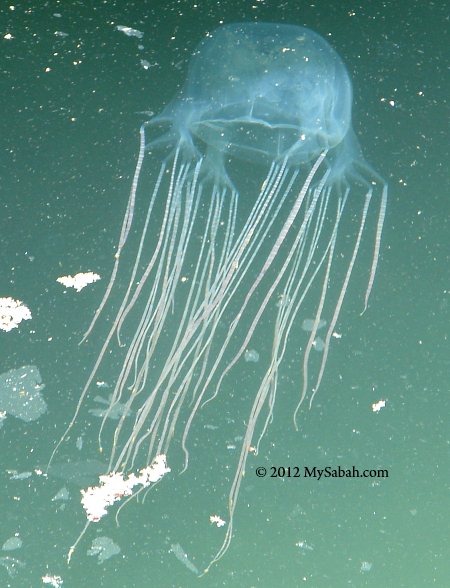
{"points": [[366, 566], [78, 281], [103, 548], [377, 406], [216, 520], [129, 32], [15, 475], [20, 394], [54, 581], [114, 486], [251, 355], [102, 384], [304, 546], [12, 313], [308, 324], [12, 543]]}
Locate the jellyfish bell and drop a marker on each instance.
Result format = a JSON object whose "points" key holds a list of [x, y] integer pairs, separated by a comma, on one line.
{"points": [[261, 92], [222, 261]]}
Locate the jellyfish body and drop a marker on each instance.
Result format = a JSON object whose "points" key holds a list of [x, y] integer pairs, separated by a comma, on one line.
{"points": [[258, 166], [262, 93]]}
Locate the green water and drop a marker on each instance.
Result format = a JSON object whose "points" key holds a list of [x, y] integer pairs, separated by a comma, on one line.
{"points": [[69, 141]]}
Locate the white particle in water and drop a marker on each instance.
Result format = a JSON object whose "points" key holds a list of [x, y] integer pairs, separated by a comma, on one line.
{"points": [[251, 355]]}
